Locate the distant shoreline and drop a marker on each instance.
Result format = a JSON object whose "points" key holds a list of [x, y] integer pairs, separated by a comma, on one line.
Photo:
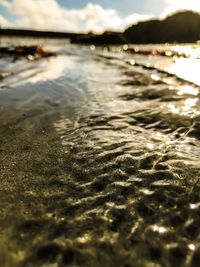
{"points": [[182, 27], [43, 34]]}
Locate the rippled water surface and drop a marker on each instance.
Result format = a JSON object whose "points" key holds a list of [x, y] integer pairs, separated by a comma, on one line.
{"points": [[99, 158]]}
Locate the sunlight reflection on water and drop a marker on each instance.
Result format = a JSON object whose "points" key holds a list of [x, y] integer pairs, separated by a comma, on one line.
{"points": [[187, 69], [188, 89]]}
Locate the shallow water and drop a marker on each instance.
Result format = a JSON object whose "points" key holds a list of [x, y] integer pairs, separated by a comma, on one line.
{"points": [[99, 157]]}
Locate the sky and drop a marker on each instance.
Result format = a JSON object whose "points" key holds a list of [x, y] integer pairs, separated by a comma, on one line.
{"points": [[84, 16]]}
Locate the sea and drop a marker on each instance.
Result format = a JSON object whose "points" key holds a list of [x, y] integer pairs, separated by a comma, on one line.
{"points": [[99, 155]]}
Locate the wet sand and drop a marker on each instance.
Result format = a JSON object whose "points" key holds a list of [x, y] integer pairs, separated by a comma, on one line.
{"points": [[99, 163]]}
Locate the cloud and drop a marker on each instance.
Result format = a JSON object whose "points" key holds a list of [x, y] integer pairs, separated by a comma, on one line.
{"points": [[134, 18], [175, 5], [49, 15], [3, 22]]}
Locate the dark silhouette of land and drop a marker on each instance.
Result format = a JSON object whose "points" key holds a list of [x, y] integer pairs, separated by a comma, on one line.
{"points": [[182, 27], [104, 39]]}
